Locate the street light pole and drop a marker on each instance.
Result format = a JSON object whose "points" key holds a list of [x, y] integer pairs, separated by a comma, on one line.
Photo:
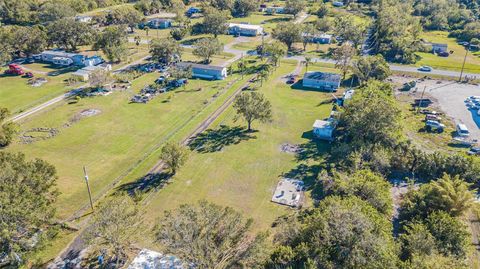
{"points": [[88, 187]]}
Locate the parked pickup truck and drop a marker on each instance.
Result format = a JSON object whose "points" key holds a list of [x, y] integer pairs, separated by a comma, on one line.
{"points": [[432, 117]]}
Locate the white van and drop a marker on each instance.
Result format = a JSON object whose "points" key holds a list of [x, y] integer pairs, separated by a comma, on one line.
{"points": [[462, 130]]}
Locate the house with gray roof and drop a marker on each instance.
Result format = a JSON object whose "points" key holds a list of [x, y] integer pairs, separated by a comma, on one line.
{"points": [[322, 81], [205, 71]]}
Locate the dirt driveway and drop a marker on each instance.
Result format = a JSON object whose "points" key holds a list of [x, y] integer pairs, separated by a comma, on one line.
{"points": [[450, 97]]}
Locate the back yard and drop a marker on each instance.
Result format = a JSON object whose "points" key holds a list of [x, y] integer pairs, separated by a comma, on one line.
{"points": [[230, 166], [17, 95], [454, 61], [108, 133]]}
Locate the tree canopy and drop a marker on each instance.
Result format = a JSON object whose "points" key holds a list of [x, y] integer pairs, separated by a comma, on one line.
{"points": [[364, 184], [7, 129], [165, 50], [27, 194], [113, 43], [253, 106], [206, 48], [339, 233], [210, 236]]}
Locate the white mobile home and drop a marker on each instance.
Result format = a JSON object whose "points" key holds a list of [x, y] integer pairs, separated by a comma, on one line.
{"points": [[245, 29], [322, 80], [205, 71]]}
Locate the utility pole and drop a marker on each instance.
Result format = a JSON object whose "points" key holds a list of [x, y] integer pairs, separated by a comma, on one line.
{"points": [[463, 65], [421, 98], [88, 187], [263, 44]]}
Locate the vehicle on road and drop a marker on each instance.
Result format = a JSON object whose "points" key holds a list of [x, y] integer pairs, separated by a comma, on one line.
{"points": [[432, 125], [474, 151], [462, 130], [425, 68]]}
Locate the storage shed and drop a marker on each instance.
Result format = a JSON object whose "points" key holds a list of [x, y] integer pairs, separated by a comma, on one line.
{"points": [[323, 129]]}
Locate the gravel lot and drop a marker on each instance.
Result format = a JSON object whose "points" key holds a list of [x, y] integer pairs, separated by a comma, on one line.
{"points": [[450, 98]]}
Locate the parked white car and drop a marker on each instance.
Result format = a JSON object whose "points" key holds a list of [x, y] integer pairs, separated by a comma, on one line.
{"points": [[462, 130]]}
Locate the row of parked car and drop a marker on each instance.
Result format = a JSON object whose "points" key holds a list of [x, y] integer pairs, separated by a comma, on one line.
{"points": [[162, 84], [473, 103]]}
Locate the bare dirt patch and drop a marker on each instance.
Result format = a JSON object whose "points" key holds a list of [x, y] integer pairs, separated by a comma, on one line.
{"points": [[290, 148], [83, 114]]}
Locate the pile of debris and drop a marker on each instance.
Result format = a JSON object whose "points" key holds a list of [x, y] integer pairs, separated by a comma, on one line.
{"points": [[147, 94], [37, 82], [290, 148], [82, 114], [37, 134]]}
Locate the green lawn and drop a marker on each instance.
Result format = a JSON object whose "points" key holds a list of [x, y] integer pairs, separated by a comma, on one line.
{"points": [[241, 170], [219, 59], [113, 141], [454, 61], [268, 22], [17, 95], [98, 11]]}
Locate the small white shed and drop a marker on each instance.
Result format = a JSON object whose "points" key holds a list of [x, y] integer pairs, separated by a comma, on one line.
{"points": [[323, 129]]}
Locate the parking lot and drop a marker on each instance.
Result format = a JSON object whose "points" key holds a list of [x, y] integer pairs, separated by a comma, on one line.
{"points": [[450, 98]]}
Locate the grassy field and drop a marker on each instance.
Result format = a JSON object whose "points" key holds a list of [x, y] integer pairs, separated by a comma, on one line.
{"points": [[219, 59], [454, 61], [231, 167], [17, 95], [114, 140], [268, 22], [98, 11]]}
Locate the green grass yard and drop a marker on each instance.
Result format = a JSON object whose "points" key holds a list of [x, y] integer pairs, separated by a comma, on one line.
{"points": [[113, 141], [244, 173], [17, 95], [268, 22], [454, 61]]}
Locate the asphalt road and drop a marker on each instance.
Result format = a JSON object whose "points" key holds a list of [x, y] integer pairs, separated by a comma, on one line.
{"points": [[398, 68]]}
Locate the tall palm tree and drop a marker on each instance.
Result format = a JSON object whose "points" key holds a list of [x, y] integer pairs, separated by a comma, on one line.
{"points": [[241, 65], [264, 74], [453, 194], [146, 28], [307, 62]]}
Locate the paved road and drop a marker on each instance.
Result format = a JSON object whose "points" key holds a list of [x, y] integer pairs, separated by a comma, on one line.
{"points": [[398, 68]]}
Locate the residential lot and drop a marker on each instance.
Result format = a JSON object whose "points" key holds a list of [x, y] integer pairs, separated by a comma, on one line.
{"points": [[232, 167], [17, 95], [452, 62], [113, 139]]}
